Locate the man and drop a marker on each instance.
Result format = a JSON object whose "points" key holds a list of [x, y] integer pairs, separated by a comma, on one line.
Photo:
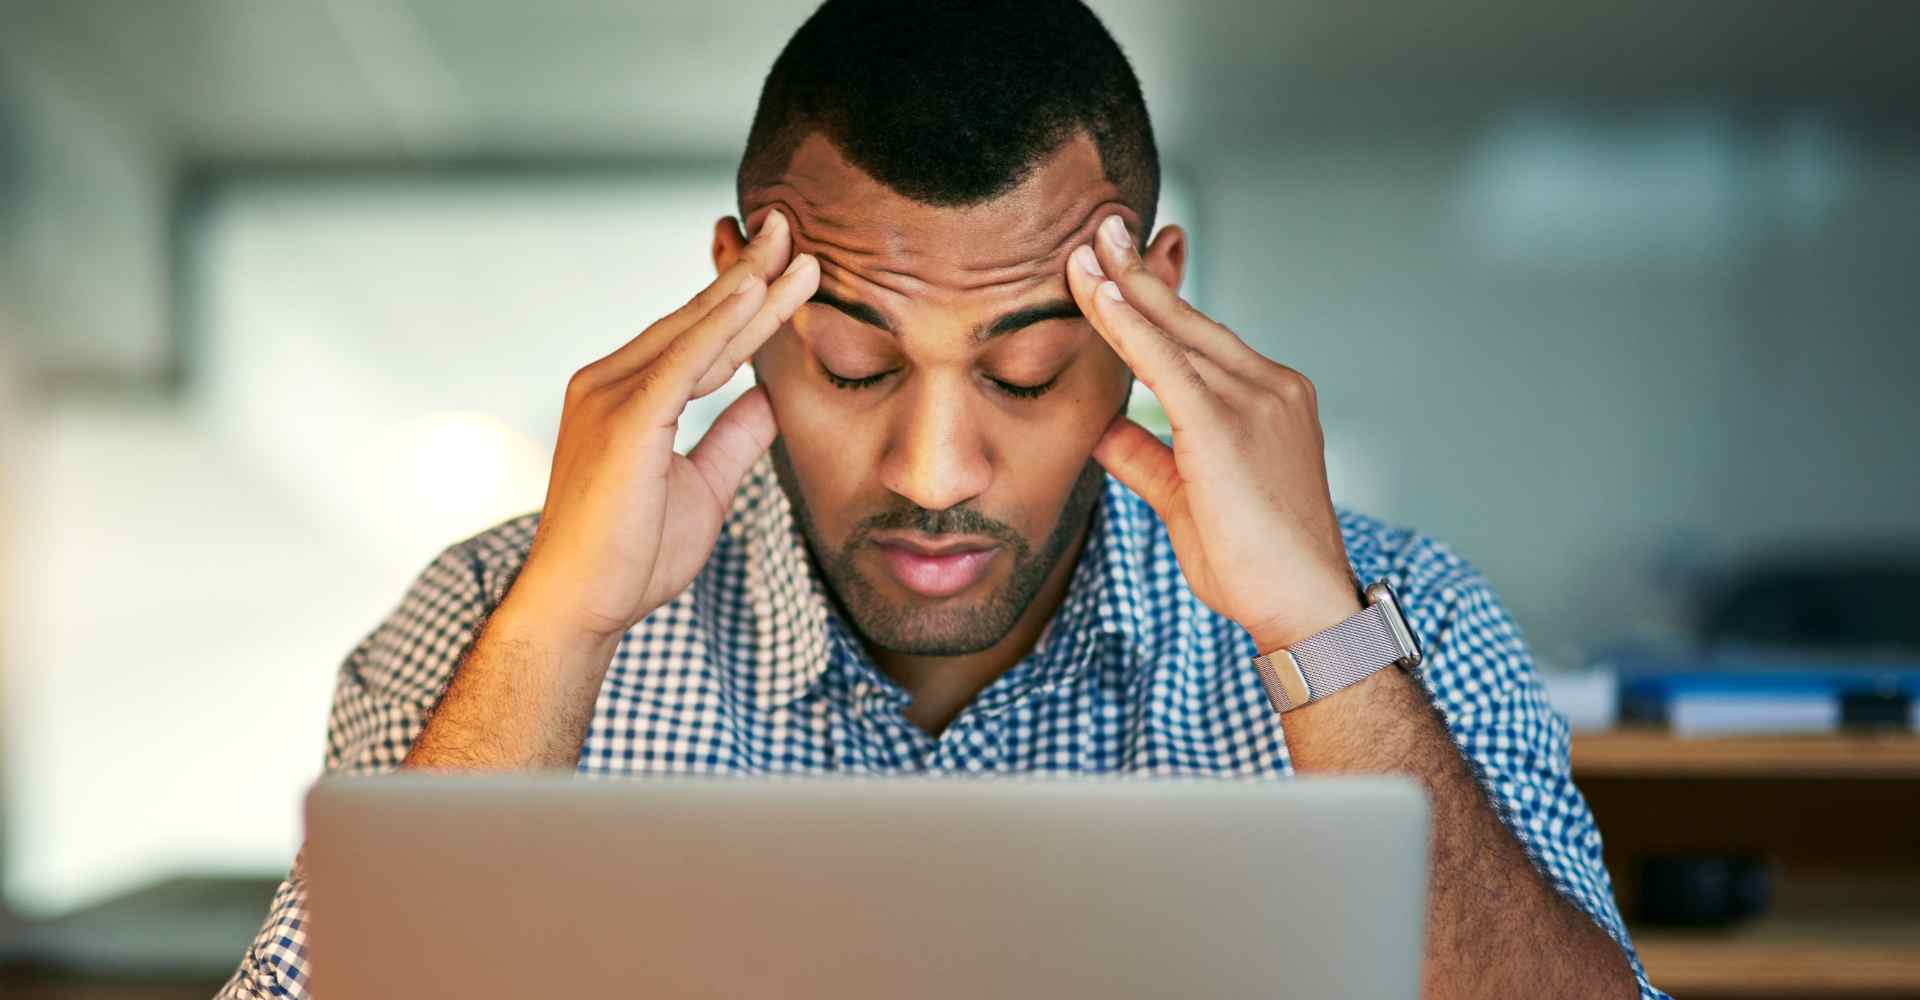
{"points": [[929, 540]]}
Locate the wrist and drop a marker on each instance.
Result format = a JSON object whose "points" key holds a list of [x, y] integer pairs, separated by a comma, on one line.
{"points": [[1289, 627], [527, 615]]}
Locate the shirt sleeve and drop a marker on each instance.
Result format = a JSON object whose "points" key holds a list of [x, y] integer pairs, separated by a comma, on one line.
{"points": [[385, 688], [1480, 675]]}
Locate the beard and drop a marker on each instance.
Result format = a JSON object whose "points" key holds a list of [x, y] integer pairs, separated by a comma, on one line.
{"points": [[952, 628]]}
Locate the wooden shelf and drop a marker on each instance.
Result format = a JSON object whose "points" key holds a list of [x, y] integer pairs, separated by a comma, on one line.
{"points": [[1657, 753], [1834, 814], [1787, 956]]}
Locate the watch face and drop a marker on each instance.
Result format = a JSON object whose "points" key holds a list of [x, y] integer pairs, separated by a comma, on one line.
{"points": [[1381, 593]]}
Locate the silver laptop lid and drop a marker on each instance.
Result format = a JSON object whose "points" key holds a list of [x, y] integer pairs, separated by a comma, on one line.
{"points": [[525, 886]]}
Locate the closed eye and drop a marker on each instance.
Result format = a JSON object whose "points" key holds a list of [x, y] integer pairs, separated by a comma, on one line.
{"points": [[1012, 389], [1024, 391], [842, 382]]}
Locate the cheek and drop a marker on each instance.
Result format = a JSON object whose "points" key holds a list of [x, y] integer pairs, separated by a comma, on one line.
{"points": [[1097, 393], [1044, 461], [824, 447]]}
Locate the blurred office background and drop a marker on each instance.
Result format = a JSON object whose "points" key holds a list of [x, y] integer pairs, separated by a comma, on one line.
{"points": [[1616, 298]]}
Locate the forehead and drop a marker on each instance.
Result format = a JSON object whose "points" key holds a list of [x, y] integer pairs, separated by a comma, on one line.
{"points": [[864, 233]]}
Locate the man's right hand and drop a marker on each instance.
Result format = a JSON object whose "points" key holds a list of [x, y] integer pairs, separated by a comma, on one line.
{"points": [[628, 522]]}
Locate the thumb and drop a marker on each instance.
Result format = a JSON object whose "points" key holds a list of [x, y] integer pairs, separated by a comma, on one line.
{"points": [[737, 439], [1141, 461]]}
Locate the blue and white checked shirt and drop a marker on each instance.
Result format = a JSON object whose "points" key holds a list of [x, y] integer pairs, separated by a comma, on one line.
{"points": [[751, 671]]}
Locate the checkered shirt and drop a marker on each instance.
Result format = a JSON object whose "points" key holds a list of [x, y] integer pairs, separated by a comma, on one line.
{"points": [[751, 671]]}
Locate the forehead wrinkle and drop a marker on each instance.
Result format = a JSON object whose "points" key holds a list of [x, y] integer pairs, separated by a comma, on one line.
{"points": [[840, 194], [831, 229], [1049, 264], [835, 253], [904, 285], [874, 267], [910, 286]]}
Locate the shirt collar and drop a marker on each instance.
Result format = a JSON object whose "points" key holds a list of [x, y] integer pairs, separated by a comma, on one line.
{"points": [[795, 627]]}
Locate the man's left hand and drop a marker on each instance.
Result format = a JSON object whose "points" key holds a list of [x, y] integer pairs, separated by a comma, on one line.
{"points": [[1243, 489]]}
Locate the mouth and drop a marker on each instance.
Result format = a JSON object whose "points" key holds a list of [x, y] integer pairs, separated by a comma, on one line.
{"points": [[937, 570]]}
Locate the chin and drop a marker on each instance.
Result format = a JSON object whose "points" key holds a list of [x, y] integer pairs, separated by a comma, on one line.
{"points": [[899, 621]]}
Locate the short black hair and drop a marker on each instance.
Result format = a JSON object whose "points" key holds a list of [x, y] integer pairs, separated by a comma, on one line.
{"points": [[954, 102]]}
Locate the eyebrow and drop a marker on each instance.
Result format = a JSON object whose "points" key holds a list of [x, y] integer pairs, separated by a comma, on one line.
{"points": [[1019, 319]]}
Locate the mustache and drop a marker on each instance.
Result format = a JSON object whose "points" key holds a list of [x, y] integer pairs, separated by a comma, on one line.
{"points": [[952, 521]]}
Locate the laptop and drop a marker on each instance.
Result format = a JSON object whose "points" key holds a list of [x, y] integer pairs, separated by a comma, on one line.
{"points": [[1063, 889]]}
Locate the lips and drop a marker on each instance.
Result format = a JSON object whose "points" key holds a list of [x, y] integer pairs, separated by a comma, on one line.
{"points": [[936, 573]]}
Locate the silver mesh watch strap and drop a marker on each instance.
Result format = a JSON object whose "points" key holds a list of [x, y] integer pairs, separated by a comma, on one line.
{"points": [[1330, 659]]}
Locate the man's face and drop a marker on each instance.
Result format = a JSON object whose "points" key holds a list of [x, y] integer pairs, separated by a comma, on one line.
{"points": [[939, 400]]}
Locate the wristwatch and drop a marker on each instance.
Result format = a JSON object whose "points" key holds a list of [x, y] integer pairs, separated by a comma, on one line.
{"points": [[1370, 639]]}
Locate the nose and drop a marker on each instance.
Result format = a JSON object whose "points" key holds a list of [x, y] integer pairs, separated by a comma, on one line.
{"points": [[936, 453]]}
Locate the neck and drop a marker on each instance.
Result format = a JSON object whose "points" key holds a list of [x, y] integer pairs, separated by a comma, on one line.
{"points": [[941, 686]]}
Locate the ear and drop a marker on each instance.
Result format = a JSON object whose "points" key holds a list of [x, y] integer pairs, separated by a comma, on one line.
{"points": [[1166, 256], [729, 242]]}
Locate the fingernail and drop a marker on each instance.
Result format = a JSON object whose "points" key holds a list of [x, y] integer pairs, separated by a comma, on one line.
{"points": [[746, 284], [1116, 233], [1084, 259], [794, 264], [1111, 290]]}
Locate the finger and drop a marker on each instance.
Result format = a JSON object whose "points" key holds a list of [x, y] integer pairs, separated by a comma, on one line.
{"points": [[1231, 387], [666, 383], [1115, 253], [771, 248], [1154, 357], [1141, 461], [788, 294], [737, 439], [770, 244], [766, 255]]}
